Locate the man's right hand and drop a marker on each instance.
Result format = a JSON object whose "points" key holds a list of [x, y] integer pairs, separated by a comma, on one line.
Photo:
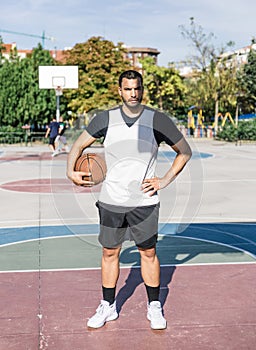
{"points": [[77, 177]]}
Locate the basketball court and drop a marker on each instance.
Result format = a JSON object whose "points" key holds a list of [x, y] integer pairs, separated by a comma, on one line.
{"points": [[50, 257]]}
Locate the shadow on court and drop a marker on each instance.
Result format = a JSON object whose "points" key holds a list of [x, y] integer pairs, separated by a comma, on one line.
{"points": [[229, 241], [134, 279], [61, 247]]}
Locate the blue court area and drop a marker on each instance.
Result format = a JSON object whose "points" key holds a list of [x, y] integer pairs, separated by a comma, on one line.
{"points": [[165, 156], [77, 247]]}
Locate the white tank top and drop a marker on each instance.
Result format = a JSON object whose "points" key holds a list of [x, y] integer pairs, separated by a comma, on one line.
{"points": [[130, 154]]}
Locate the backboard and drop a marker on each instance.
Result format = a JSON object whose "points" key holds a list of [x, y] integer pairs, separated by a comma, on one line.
{"points": [[52, 77]]}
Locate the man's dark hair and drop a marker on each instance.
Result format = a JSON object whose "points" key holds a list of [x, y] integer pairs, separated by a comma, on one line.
{"points": [[130, 74]]}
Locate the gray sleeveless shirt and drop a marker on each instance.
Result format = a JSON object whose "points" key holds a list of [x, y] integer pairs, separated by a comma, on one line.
{"points": [[130, 154]]}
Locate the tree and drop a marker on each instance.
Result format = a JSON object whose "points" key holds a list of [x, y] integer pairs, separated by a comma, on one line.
{"points": [[214, 76], [164, 86], [201, 42], [247, 81], [9, 90], [21, 101], [42, 103], [2, 49], [100, 63]]}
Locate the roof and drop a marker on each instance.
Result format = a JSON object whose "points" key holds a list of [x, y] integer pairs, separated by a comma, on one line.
{"points": [[143, 49]]}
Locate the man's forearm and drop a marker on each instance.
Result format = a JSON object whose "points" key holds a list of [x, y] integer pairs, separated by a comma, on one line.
{"points": [[178, 164], [84, 141]]}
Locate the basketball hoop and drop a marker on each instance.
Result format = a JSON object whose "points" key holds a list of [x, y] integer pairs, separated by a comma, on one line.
{"points": [[58, 91]]}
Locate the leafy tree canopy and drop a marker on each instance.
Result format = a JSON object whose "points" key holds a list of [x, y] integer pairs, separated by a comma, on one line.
{"points": [[100, 63], [21, 101], [248, 82], [164, 86]]}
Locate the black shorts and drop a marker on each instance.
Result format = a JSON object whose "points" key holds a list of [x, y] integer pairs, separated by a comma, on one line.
{"points": [[118, 224], [52, 140]]}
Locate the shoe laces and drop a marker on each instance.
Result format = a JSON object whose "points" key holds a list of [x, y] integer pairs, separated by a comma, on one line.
{"points": [[156, 310], [101, 308]]}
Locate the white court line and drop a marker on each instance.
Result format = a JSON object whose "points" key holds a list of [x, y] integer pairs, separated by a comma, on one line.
{"points": [[174, 220], [218, 243], [131, 266], [215, 181], [75, 235], [58, 221], [228, 234], [50, 193], [197, 220], [82, 235], [53, 185]]}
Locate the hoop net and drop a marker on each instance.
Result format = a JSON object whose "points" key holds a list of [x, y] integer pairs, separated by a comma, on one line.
{"points": [[58, 91]]}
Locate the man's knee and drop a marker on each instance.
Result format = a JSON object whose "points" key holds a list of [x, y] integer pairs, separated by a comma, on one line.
{"points": [[111, 253], [148, 254]]}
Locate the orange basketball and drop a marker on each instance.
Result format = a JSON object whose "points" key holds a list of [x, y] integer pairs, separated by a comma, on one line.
{"points": [[92, 163]]}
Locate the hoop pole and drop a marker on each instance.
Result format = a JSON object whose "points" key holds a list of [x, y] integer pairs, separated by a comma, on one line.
{"points": [[58, 92], [58, 108]]}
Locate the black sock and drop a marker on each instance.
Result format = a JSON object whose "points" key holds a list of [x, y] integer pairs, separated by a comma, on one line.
{"points": [[153, 293], [109, 294]]}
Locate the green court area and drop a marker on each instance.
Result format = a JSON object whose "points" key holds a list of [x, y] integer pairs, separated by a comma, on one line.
{"points": [[84, 251]]}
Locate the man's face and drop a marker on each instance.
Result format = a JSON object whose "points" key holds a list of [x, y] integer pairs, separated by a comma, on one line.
{"points": [[131, 92]]}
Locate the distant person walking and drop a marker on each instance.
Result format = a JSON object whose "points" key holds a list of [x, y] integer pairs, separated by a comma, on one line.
{"points": [[61, 141], [52, 131]]}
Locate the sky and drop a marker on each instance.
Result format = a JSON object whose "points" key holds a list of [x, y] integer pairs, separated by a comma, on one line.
{"points": [[137, 23]]}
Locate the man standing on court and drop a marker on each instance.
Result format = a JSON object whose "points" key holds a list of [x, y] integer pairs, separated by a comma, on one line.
{"points": [[53, 131], [128, 203]]}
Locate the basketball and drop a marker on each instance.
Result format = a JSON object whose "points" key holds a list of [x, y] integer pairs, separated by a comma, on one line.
{"points": [[92, 163]]}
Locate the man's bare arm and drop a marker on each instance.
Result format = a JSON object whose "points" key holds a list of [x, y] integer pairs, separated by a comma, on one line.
{"points": [[183, 154], [83, 141]]}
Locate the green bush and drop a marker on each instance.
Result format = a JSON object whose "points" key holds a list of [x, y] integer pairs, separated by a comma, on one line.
{"points": [[10, 135], [246, 130]]}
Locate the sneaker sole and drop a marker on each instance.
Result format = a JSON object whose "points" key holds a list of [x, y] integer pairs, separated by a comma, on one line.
{"points": [[110, 318], [158, 327]]}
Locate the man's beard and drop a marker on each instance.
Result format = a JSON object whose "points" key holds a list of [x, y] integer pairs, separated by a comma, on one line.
{"points": [[131, 106]]}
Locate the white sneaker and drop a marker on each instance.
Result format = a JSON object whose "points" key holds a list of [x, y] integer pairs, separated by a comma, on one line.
{"points": [[55, 153], [155, 315], [104, 313]]}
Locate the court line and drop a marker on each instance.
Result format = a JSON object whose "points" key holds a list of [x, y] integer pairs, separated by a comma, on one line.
{"points": [[216, 230], [202, 228], [129, 267], [234, 247], [177, 220], [173, 235], [49, 238], [21, 234], [63, 233], [215, 242], [216, 181]]}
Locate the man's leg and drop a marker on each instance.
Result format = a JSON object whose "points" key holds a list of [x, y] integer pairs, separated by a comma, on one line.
{"points": [[51, 144], [150, 271], [150, 267], [110, 273]]}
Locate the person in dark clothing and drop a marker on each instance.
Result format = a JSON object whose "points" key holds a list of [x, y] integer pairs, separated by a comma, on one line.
{"points": [[52, 131]]}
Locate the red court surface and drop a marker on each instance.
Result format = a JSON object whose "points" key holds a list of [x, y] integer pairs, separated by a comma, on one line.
{"points": [[206, 307], [46, 186]]}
